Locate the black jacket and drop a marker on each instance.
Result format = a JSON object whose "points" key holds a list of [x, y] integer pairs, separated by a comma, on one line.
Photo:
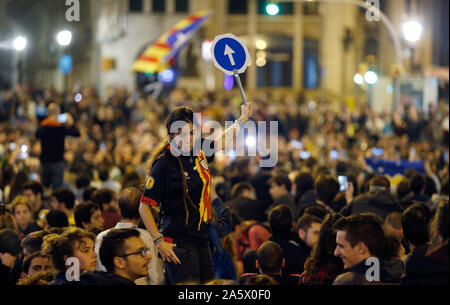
{"points": [[422, 270], [103, 278], [52, 135], [381, 203], [294, 256], [291, 279], [390, 274]]}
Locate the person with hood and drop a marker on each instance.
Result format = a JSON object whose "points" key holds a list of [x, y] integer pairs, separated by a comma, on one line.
{"points": [[369, 257], [378, 200]]}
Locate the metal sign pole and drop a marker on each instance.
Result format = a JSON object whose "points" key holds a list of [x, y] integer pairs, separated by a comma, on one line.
{"points": [[238, 80]]}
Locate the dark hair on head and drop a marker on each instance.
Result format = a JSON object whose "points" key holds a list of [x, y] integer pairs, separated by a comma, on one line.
{"points": [[327, 188], [103, 173], [113, 244], [65, 195], [280, 219], [239, 188], [391, 248], [430, 187], [33, 241], [83, 213], [306, 221], [27, 261], [249, 261], [415, 223], [409, 172], [417, 182], [87, 194], [63, 245], [323, 254], [270, 257], [303, 183], [83, 180], [261, 280], [316, 210], [380, 181], [280, 179], [10, 242], [102, 196], [236, 219], [129, 202], [57, 219], [366, 228], [403, 188], [440, 220], [35, 187], [394, 220], [366, 183]]}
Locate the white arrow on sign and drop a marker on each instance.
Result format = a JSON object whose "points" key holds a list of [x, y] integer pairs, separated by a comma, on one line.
{"points": [[229, 52]]}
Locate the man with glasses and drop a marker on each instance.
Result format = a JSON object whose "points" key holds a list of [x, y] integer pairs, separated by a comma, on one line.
{"points": [[125, 257], [129, 201]]}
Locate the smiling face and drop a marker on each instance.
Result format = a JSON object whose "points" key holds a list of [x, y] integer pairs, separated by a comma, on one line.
{"points": [[350, 255], [86, 255]]}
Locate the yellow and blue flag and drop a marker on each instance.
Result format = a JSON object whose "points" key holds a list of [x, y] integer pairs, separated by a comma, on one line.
{"points": [[161, 54]]}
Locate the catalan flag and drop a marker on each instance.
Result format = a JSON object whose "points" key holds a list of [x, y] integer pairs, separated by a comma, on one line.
{"points": [[161, 54]]}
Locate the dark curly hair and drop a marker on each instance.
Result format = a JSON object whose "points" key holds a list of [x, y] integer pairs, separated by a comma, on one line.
{"points": [[58, 246]]}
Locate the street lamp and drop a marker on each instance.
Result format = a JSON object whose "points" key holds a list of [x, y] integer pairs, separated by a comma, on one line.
{"points": [[64, 38], [20, 43], [358, 79], [412, 30], [371, 77]]}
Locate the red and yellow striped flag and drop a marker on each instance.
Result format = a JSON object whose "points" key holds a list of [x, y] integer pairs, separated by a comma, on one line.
{"points": [[161, 54]]}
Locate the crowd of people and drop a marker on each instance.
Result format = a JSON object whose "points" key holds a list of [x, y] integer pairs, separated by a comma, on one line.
{"points": [[74, 177]]}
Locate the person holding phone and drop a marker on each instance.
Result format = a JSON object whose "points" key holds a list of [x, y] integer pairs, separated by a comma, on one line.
{"points": [[52, 133]]}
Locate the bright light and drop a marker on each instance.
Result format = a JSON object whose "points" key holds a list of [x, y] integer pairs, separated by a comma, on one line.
{"points": [[272, 9], [64, 38], [261, 54], [261, 44], [250, 141], [166, 76], [206, 50], [358, 79], [389, 89], [20, 43], [370, 77], [78, 97], [261, 61], [24, 148], [412, 30]]}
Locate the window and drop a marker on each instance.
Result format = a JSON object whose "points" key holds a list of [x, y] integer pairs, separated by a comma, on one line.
{"points": [[274, 63], [135, 6], [181, 6], [159, 6], [310, 64], [237, 6], [311, 8]]}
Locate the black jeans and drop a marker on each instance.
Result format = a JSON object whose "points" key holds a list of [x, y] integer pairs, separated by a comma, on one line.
{"points": [[52, 174], [196, 267]]}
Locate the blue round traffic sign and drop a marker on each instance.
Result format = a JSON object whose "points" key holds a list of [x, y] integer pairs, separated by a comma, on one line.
{"points": [[230, 54]]}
